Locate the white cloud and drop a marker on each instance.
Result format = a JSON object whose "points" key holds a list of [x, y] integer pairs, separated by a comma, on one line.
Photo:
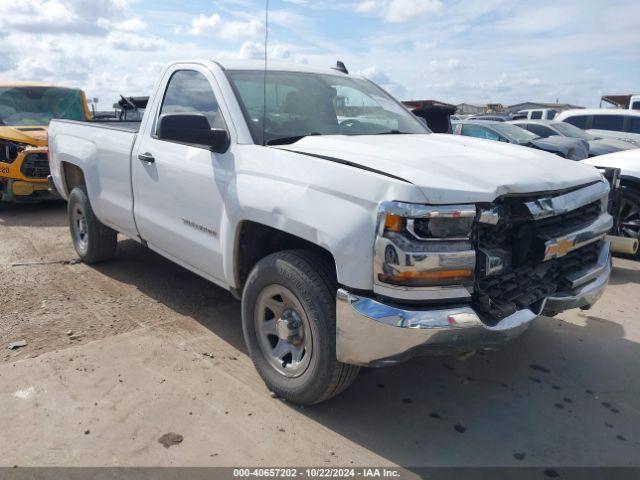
{"points": [[215, 26], [444, 66], [397, 11], [379, 76], [50, 16], [133, 42], [255, 51], [135, 24]]}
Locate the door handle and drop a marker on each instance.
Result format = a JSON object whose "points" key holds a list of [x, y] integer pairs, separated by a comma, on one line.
{"points": [[146, 157]]}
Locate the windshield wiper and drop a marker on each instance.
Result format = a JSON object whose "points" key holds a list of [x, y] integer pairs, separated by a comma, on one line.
{"points": [[288, 140]]}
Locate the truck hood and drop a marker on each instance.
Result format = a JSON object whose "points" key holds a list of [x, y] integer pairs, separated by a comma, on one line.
{"points": [[32, 135], [452, 168]]}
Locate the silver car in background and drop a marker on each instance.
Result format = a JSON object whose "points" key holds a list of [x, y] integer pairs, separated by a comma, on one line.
{"points": [[597, 145], [570, 148]]}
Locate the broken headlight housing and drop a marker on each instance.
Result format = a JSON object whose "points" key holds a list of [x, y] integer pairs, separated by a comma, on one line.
{"points": [[421, 249]]}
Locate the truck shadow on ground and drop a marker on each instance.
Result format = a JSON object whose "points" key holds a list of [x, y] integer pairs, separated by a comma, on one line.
{"points": [[624, 272], [565, 393], [52, 213]]}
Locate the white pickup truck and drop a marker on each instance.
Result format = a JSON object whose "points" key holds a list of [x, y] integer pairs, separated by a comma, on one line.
{"points": [[353, 236]]}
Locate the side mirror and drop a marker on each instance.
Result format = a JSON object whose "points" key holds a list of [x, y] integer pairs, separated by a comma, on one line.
{"points": [[192, 129]]}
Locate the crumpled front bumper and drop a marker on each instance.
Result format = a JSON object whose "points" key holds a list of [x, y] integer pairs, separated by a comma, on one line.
{"points": [[375, 334]]}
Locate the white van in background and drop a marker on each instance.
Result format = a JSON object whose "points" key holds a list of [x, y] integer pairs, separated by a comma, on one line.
{"points": [[634, 102], [607, 122]]}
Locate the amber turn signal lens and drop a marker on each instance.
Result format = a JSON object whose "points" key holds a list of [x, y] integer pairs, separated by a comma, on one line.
{"points": [[394, 223], [429, 278]]}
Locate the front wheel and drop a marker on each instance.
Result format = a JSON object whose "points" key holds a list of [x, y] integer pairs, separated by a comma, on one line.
{"points": [[288, 320], [93, 241]]}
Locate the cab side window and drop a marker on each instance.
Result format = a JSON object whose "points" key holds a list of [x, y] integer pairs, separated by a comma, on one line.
{"points": [[536, 115], [608, 122], [579, 121], [189, 91]]}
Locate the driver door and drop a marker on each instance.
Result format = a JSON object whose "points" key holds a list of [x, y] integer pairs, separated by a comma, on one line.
{"points": [[179, 189]]}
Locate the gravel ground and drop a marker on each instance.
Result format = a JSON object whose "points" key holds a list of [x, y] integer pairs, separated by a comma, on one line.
{"points": [[140, 362]]}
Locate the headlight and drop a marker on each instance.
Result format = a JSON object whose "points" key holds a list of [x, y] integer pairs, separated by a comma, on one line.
{"points": [[423, 246]]}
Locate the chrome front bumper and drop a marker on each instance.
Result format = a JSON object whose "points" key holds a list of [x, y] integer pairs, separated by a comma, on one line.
{"points": [[371, 333]]}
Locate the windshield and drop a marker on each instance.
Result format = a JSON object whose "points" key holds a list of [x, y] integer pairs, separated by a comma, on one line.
{"points": [[572, 131], [514, 133], [300, 104], [38, 105]]}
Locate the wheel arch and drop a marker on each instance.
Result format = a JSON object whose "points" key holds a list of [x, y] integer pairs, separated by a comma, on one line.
{"points": [[72, 176], [254, 241]]}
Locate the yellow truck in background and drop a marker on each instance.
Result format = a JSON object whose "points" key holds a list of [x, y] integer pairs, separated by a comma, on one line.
{"points": [[25, 111]]}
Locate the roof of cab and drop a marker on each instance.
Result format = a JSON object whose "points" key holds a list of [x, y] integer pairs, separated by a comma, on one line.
{"points": [[276, 66]]}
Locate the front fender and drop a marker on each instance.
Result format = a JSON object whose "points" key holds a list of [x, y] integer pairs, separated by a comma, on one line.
{"points": [[330, 205]]}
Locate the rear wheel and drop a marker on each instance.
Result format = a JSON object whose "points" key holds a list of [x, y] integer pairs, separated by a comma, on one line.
{"points": [[94, 242], [288, 319], [629, 214]]}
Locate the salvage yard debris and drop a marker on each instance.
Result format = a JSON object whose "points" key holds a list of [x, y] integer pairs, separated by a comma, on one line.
{"points": [[17, 344], [169, 439], [73, 261]]}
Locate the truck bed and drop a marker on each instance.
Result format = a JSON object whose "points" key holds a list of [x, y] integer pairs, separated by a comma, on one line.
{"points": [[131, 126], [100, 146]]}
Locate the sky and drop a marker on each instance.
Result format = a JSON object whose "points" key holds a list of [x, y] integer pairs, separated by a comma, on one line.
{"points": [[475, 51]]}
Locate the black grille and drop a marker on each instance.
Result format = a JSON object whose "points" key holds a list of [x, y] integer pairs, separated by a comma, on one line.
{"points": [[35, 165], [501, 295], [570, 221], [520, 242]]}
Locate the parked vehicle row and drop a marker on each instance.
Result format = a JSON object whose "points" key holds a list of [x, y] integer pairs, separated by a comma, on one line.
{"points": [[606, 123], [571, 148], [353, 236], [597, 145]]}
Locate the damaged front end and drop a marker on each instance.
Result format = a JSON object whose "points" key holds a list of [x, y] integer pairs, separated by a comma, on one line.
{"points": [[534, 255], [24, 169]]}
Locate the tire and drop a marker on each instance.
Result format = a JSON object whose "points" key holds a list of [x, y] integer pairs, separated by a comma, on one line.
{"points": [[305, 285], [629, 214], [93, 241]]}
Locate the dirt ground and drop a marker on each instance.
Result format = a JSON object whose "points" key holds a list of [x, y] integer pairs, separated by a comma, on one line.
{"points": [[122, 354]]}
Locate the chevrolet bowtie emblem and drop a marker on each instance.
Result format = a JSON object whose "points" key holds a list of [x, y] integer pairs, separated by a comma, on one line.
{"points": [[559, 248]]}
